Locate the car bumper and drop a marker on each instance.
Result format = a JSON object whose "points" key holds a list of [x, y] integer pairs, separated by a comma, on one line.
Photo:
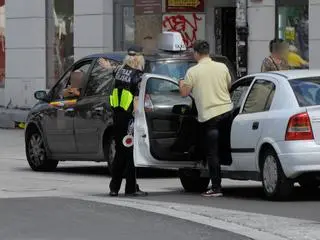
{"points": [[299, 157]]}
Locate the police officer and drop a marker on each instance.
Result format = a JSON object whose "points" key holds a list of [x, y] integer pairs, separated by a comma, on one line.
{"points": [[124, 101]]}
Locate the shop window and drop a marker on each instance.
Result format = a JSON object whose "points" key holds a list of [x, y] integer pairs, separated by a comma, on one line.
{"points": [[60, 50], [124, 24], [293, 26], [2, 43]]}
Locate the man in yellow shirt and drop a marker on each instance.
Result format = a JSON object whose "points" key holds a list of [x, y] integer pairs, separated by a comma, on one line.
{"points": [[209, 82], [294, 60]]}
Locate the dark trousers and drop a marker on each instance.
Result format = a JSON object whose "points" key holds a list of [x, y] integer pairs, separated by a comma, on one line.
{"points": [[211, 132], [123, 164]]}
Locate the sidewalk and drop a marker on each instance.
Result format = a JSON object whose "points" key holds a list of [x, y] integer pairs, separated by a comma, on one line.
{"points": [[9, 118]]}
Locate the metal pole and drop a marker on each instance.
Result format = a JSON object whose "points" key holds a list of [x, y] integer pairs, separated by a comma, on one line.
{"points": [[276, 12]]}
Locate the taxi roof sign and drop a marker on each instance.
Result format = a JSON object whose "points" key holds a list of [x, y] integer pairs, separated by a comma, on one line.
{"points": [[171, 41]]}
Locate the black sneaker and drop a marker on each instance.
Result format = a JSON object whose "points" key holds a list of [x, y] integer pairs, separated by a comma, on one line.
{"points": [[113, 194], [138, 193], [213, 193]]}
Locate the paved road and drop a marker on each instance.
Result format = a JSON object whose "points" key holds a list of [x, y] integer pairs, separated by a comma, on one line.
{"points": [[242, 210], [56, 218]]}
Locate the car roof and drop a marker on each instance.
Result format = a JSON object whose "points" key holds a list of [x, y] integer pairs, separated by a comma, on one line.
{"points": [[117, 56], [167, 56], [155, 56], [290, 74]]}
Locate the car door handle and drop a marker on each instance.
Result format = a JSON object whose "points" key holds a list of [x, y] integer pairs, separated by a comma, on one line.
{"points": [[255, 125], [69, 110], [98, 109]]}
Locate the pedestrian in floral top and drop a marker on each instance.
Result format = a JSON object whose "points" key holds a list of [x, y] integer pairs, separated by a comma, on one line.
{"points": [[278, 55]]}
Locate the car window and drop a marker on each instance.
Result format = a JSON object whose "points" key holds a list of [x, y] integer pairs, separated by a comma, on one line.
{"points": [[165, 94], [260, 97], [239, 92], [101, 79], [173, 69], [157, 86], [57, 90], [307, 91], [177, 69]]}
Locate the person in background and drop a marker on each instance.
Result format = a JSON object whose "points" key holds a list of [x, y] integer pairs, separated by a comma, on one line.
{"points": [[295, 61], [209, 82], [124, 101], [277, 61]]}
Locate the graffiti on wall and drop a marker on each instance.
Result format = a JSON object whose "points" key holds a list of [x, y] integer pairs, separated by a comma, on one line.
{"points": [[190, 25]]}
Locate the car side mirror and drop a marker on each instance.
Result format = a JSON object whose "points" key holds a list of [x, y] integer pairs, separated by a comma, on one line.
{"points": [[181, 109], [41, 95]]}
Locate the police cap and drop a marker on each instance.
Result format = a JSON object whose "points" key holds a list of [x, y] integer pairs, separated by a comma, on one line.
{"points": [[134, 50]]}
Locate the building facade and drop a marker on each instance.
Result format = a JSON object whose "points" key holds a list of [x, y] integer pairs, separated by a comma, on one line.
{"points": [[41, 38]]}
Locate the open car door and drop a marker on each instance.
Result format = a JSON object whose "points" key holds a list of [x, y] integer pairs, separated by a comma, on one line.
{"points": [[165, 126]]}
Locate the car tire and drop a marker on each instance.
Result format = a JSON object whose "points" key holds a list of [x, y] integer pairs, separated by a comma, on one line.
{"points": [[276, 185], [36, 153], [192, 181], [109, 148]]}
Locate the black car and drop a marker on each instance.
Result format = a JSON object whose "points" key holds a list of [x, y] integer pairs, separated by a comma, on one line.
{"points": [[82, 130]]}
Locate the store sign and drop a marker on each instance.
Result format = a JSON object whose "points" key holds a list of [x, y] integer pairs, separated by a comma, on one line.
{"points": [[184, 5], [290, 34], [143, 7]]}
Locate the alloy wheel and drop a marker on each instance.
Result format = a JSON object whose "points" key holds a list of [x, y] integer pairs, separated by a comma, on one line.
{"points": [[36, 150], [270, 174]]}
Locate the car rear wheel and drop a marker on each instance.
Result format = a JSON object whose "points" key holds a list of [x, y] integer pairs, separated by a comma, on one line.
{"points": [[192, 181], [36, 153], [275, 184], [109, 151]]}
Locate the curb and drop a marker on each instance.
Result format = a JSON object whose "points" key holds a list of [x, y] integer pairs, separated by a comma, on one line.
{"points": [[13, 118]]}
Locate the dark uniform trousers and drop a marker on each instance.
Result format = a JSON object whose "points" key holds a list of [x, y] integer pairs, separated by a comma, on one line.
{"points": [[123, 163], [215, 137]]}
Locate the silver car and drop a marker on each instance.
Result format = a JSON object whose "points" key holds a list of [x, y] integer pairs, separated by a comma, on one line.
{"points": [[273, 135]]}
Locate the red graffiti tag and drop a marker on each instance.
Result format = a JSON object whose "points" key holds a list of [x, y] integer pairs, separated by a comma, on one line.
{"points": [[187, 28]]}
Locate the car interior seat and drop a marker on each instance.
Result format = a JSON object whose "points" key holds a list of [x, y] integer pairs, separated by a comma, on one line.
{"points": [[317, 97]]}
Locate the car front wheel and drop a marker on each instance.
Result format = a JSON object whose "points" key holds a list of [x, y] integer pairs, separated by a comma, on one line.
{"points": [[192, 181], [275, 184], [36, 153]]}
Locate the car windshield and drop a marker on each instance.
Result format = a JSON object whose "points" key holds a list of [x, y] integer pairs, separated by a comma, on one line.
{"points": [[307, 91], [175, 69]]}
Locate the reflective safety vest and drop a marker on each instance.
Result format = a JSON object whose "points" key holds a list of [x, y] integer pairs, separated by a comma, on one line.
{"points": [[125, 100]]}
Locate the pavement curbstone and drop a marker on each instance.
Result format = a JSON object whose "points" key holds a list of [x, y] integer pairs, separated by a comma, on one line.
{"points": [[13, 118]]}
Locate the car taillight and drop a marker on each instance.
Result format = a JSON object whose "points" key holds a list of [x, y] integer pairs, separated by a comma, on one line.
{"points": [[148, 106], [299, 128]]}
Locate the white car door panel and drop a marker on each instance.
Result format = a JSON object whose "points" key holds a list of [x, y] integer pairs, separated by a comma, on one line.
{"points": [[245, 135], [157, 127], [247, 127]]}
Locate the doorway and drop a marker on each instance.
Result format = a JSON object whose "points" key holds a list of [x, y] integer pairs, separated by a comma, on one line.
{"points": [[225, 32]]}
